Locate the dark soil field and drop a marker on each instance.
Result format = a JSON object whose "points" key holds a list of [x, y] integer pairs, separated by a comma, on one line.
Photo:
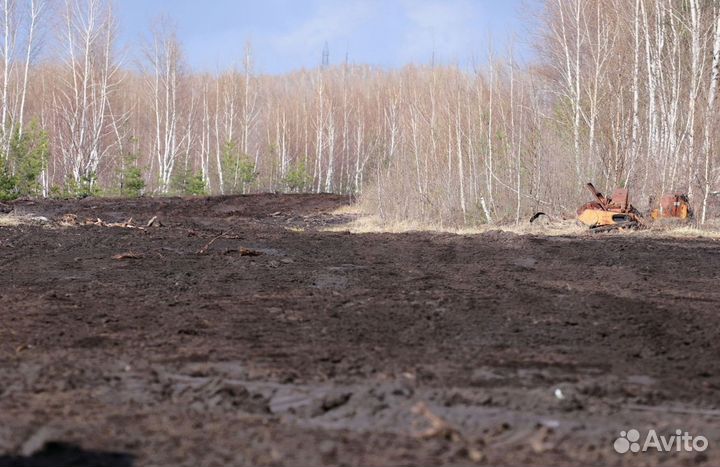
{"points": [[235, 331]]}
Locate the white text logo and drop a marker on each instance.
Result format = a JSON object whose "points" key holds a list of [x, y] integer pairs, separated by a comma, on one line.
{"points": [[629, 441]]}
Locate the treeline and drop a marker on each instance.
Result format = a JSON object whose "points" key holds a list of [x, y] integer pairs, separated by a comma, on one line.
{"points": [[622, 93]]}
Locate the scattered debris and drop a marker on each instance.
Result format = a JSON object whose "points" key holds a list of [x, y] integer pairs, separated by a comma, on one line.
{"points": [[23, 347], [207, 246], [249, 252], [68, 220], [128, 255], [71, 220], [437, 426], [243, 251], [129, 224]]}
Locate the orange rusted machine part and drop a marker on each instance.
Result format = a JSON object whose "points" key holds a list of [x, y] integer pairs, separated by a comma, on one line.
{"points": [[673, 206], [605, 213]]}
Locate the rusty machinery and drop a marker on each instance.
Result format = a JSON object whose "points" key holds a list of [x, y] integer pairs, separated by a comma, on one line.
{"points": [[609, 213], [616, 212], [673, 206]]}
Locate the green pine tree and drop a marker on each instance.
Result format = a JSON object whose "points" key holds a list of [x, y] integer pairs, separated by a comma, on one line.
{"points": [[24, 164]]}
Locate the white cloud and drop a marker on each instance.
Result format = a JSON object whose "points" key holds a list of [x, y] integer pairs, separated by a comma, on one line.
{"points": [[447, 27], [334, 20]]}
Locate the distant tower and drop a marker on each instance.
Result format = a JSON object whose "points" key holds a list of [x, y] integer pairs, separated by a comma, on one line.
{"points": [[325, 55], [432, 59]]}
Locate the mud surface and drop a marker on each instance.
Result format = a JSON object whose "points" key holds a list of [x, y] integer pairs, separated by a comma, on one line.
{"points": [[234, 331]]}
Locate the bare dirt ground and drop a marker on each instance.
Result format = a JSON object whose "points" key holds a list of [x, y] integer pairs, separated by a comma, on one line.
{"points": [[238, 332]]}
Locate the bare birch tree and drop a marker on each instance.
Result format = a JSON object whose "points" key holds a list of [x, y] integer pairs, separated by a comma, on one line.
{"points": [[164, 81], [90, 78]]}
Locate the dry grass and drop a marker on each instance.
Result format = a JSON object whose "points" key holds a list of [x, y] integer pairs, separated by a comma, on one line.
{"points": [[367, 223], [351, 209], [11, 220]]}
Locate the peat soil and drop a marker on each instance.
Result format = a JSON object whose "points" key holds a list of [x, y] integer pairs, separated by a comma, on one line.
{"points": [[236, 331]]}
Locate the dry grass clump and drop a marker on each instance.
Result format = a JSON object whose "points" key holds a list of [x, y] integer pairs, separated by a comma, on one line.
{"points": [[9, 220], [13, 220]]}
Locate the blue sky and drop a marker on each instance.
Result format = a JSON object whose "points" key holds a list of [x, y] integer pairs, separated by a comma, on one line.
{"points": [[288, 35]]}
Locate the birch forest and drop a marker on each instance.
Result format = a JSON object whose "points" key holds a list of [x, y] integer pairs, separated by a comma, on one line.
{"points": [[618, 92]]}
